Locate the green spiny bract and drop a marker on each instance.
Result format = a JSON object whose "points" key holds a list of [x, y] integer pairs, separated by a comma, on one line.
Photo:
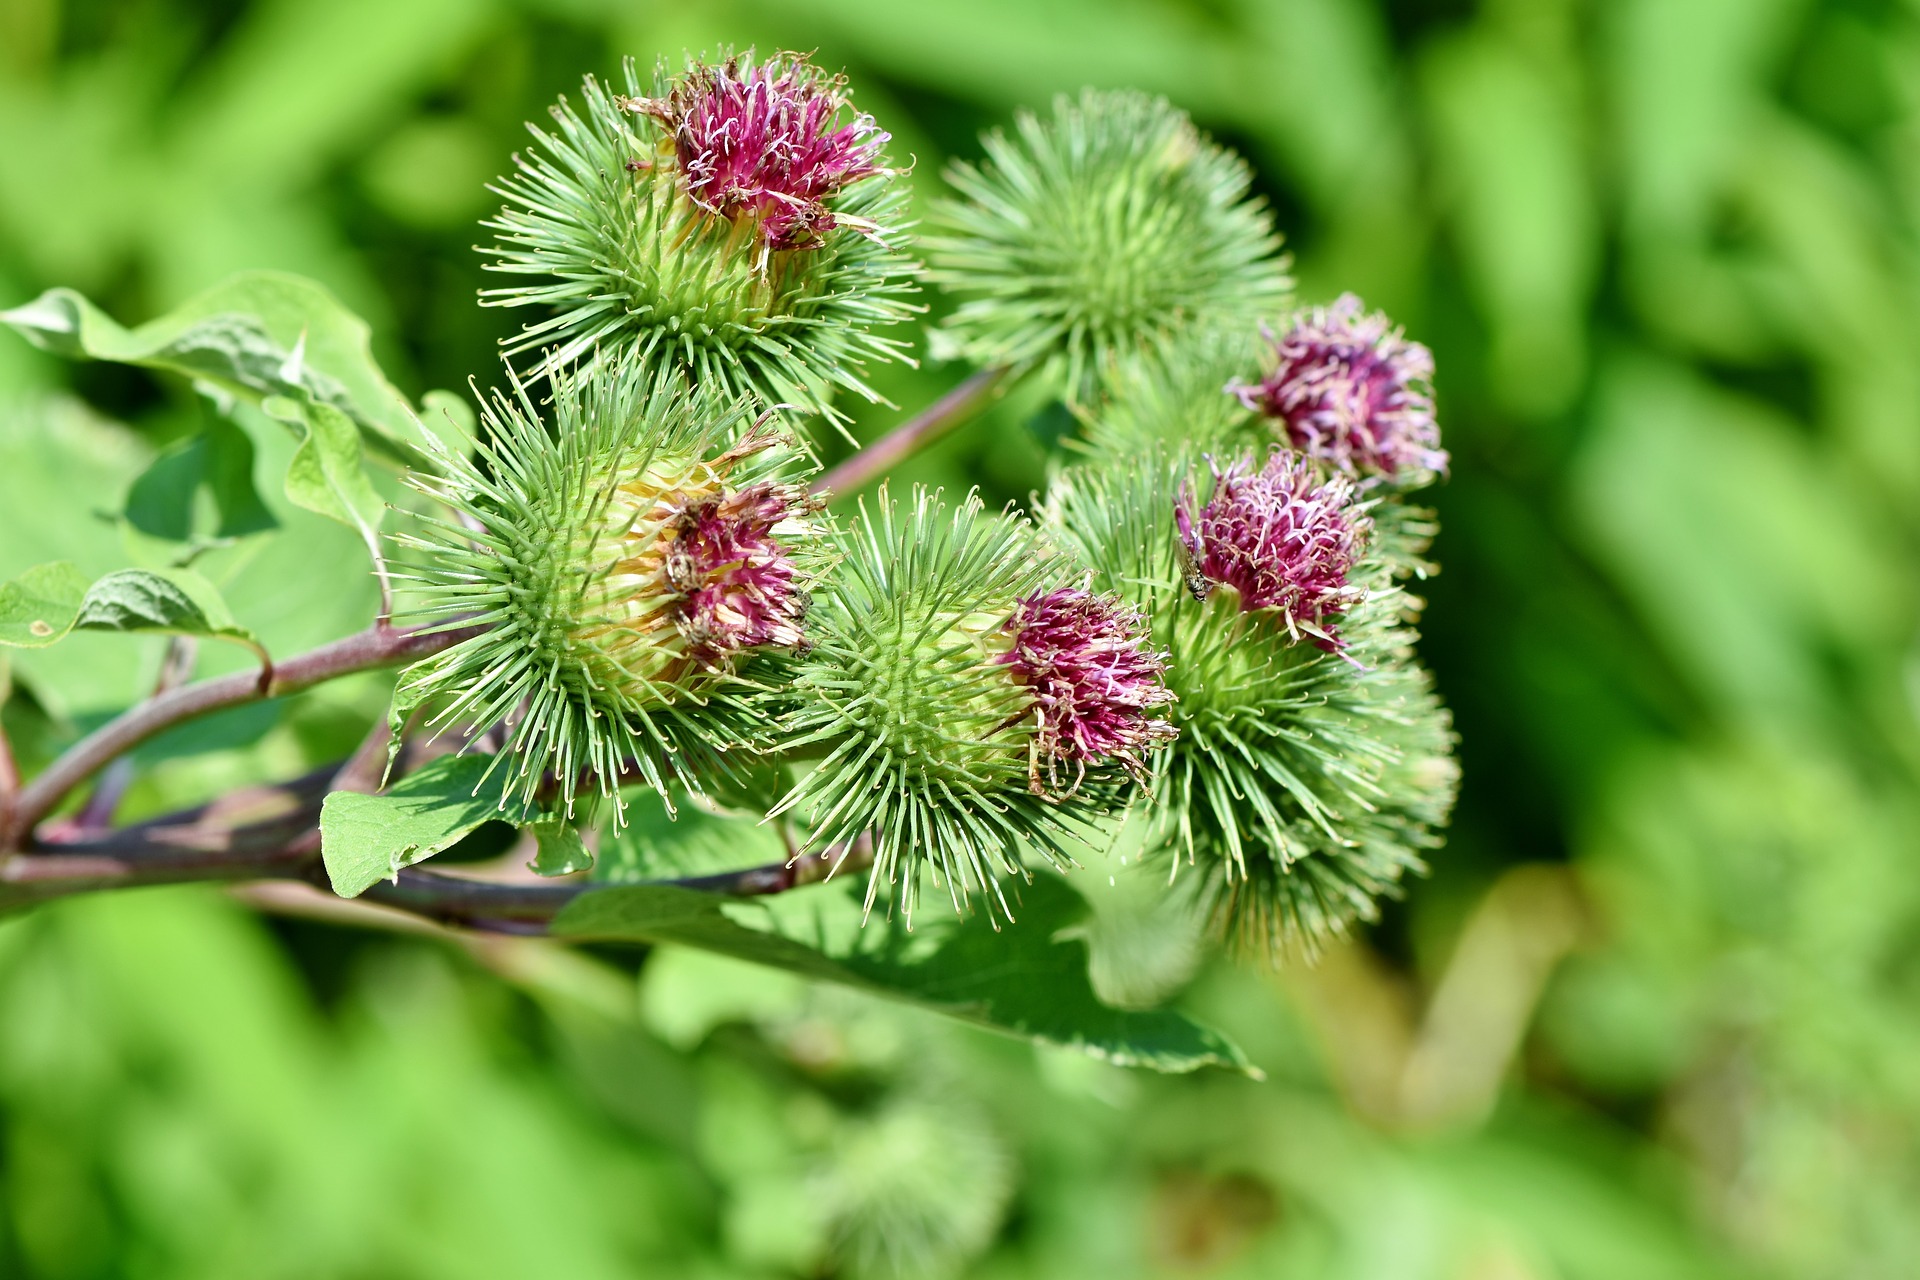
{"points": [[915, 1187], [936, 748], [628, 563], [620, 226], [1176, 396], [1099, 235], [1304, 782], [1187, 400]]}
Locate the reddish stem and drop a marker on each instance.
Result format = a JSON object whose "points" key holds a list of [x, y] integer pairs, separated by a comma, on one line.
{"points": [[953, 409], [196, 847], [377, 646]]}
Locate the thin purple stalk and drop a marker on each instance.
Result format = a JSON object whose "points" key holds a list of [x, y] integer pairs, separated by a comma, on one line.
{"points": [[525, 906], [97, 813], [375, 647], [9, 777], [194, 847], [952, 410]]}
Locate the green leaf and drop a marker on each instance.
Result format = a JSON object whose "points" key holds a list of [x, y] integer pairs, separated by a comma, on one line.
{"points": [[47, 602], [562, 851], [691, 841], [171, 602], [160, 502], [752, 786], [60, 464], [1024, 980], [219, 459], [255, 335], [366, 839], [38, 607], [326, 474]]}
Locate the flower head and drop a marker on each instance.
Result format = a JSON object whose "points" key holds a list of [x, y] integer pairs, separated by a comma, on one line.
{"points": [[911, 683], [1098, 236], [685, 572], [766, 142], [1283, 537], [1350, 389], [1304, 784], [624, 561], [727, 223], [738, 583], [1093, 677]]}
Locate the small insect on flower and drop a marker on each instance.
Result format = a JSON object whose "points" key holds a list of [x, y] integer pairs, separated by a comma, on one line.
{"points": [[1284, 537], [1350, 389], [1094, 679], [765, 143], [625, 562]]}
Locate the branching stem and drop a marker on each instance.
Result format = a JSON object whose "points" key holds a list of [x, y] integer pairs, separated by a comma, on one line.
{"points": [[378, 646], [205, 845], [198, 847], [952, 410], [527, 907], [97, 813], [9, 778]]}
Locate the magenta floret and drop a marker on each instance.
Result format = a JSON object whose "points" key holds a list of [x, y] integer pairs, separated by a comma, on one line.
{"points": [[738, 584], [1283, 537], [1094, 679], [1350, 389], [765, 141]]}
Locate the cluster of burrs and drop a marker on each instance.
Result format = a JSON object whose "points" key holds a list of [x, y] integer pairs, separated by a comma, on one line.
{"points": [[1203, 624]]}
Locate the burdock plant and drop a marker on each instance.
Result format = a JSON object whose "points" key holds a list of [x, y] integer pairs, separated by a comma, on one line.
{"points": [[737, 220], [955, 668], [626, 593], [615, 569], [1347, 388], [1312, 764], [1099, 237]]}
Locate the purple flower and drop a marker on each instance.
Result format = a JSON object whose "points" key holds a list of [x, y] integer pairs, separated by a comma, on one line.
{"points": [[1350, 389], [1093, 677], [736, 584], [1282, 537], [765, 143]]}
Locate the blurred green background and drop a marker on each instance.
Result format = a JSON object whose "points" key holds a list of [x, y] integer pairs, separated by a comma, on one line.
{"points": [[1657, 1010]]}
